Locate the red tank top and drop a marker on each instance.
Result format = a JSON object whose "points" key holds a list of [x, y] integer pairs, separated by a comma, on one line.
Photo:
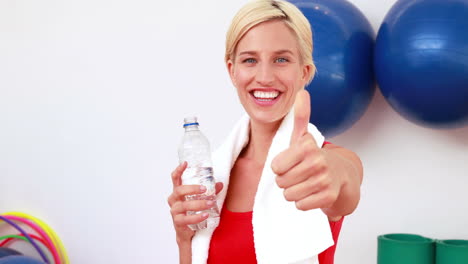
{"points": [[232, 242]]}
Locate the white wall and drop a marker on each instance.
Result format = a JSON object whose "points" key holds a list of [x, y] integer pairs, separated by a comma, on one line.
{"points": [[92, 97]]}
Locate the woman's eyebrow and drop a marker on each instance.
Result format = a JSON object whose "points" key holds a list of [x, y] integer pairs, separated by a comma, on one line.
{"points": [[248, 52], [251, 52], [284, 51]]}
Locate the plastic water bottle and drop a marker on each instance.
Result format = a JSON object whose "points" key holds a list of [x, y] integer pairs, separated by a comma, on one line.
{"points": [[195, 150]]}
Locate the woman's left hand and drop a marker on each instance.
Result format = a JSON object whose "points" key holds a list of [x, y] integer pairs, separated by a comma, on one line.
{"points": [[303, 170]]}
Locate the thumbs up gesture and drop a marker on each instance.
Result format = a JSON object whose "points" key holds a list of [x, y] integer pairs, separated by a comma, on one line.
{"points": [[303, 170]]}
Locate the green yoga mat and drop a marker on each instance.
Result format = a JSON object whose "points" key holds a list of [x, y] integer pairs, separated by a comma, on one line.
{"points": [[405, 249], [452, 251]]}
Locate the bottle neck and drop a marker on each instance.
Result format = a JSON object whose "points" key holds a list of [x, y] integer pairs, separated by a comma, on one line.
{"points": [[191, 128]]}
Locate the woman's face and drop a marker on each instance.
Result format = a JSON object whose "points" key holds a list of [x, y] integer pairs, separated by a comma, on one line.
{"points": [[267, 71]]}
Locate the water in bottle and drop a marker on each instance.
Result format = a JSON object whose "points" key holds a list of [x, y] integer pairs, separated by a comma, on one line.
{"points": [[195, 150]]}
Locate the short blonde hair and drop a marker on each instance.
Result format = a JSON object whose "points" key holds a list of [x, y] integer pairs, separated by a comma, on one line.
{"points": [[259, 11]]}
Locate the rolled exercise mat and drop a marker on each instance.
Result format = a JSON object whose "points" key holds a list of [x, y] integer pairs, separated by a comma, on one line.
{"points": [[405, 249], [454, 251]]}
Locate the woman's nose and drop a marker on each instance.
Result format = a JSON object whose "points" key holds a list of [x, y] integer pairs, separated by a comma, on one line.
{"points": [[265, 74]]}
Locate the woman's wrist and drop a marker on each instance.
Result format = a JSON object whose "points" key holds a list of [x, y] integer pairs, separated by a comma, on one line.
{"points": [[184, 243], [185, 251]]}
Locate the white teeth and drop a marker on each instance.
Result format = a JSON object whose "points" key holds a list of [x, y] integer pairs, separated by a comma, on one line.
{"points": [[265, 95]]}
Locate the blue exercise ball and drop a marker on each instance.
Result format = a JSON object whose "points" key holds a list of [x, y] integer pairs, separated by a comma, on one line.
{"points": [[19, 260], [421, 61], [4, 252], [343, 54]]}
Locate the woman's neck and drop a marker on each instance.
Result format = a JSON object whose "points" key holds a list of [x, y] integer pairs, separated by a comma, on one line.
{"points": [[260, 137]]}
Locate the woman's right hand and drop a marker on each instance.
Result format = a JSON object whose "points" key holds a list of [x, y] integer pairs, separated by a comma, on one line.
{"points": [[179, 206]]}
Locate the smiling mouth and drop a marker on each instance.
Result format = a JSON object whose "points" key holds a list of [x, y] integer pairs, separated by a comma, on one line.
{"points": [[265, 96]]}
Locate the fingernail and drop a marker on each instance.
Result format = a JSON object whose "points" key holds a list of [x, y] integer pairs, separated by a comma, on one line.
{"points": [[202, 188], [209, 203], [204, 215]]}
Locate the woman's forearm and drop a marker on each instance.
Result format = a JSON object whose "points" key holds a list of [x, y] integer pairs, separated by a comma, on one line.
{"points": [[185, 252]]}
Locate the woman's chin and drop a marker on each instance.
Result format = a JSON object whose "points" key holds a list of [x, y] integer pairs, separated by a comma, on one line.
{"points": [[266, 118]]}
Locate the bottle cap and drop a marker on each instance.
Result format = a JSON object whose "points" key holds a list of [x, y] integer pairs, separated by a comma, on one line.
{"points": [[190, 121]]}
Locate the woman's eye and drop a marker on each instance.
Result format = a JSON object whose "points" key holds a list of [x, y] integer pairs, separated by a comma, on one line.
{"points": [[249, 60], [281, 60]]}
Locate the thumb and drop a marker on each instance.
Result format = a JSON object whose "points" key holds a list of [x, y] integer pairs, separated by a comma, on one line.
{"points": [[301, 115]]}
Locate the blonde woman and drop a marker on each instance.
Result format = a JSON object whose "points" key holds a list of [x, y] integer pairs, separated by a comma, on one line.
{"points": [[278, 178]]}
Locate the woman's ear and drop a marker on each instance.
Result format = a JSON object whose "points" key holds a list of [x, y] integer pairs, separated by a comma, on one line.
{"points": [[308, 73], [230, 68]]}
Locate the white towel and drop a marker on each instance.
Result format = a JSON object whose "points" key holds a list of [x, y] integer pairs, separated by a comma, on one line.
{"points": [[282, 233]]}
